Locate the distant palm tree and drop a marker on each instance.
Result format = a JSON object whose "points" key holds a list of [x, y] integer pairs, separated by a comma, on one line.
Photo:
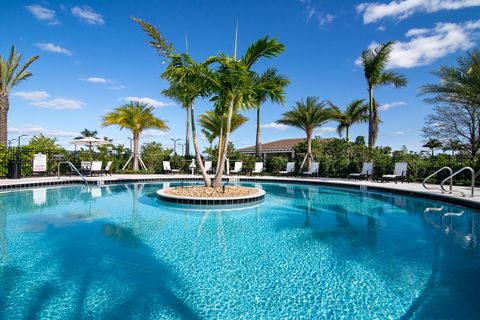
{"points": [[136, 117], [269, 85], [433, 144], [212, 124], [176, 93], [85, 133], [356, 112], [10, 75], [452, 145], [374, 61], [307, 116]]}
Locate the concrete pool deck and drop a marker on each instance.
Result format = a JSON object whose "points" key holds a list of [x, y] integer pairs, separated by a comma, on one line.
{"points": [[403, 188]]}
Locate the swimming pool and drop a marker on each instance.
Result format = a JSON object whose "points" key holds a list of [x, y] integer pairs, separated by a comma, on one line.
{"points": [[117, 252]]}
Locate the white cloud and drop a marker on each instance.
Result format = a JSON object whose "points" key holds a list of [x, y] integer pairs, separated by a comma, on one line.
{"points": [[401, 9], [60, 103], [381, 28], [147, 100], [153, 133], [324, 130], [50, 47], [320, 17], [87, 15], [387, 106], [36, 130], [31, 95], [43, 14], [98, 80], [398, 132], [427, 45], [274, 125]]}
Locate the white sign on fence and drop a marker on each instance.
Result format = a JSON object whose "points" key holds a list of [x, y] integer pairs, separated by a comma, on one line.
{"points": [[40, 162]]}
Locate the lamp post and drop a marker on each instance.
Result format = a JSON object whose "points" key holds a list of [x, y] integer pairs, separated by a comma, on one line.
{"points": [[175, 145], [20, 137], [131, 139], [10, 142]]}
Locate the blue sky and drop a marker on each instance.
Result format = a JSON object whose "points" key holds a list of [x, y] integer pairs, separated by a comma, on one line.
{"points": [[93, 58]]}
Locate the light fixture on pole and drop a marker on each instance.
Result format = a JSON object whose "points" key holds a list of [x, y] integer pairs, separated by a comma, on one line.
{"points": [[131, 140], [20, 137], [175, 145], [10, 142]]}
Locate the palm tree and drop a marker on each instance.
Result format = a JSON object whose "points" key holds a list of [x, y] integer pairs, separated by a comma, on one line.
{"points": [[307, 116], [174, 92], [374, 61], [433, 144], [269, 85], [10, 75], [85, 133], [356, 112], [213, 122], [452, 145], [134, 116], [232, 84]]}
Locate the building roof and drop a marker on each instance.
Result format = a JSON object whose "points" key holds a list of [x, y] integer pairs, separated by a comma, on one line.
{"points": [[284, 145]]}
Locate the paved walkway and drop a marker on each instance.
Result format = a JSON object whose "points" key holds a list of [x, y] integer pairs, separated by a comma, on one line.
{"points": [[405, 187]]}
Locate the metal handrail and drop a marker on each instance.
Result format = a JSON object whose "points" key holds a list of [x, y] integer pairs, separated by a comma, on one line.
{"points": [[74, 168], [436, 172], [472, 186]]}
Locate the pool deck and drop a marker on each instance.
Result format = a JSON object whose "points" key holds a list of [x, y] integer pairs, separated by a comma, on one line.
{"points": [[404, 188]]}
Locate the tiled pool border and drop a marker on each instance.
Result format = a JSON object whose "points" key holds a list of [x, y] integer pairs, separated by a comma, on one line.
{"points": [[465, 202]]}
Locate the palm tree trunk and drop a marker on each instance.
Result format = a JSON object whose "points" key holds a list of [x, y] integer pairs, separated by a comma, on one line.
{"points": [[309, 150], [206, 178], [372, 120], [219, 174], [135, 150], [220, 145], [347, 133], [258, 145], [187, 133], [4, 106]]}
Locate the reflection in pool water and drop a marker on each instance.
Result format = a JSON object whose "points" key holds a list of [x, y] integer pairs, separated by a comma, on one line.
{"points": [[117, 252]]}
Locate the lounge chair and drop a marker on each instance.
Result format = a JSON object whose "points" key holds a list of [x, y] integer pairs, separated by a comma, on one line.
{"points": [[237, 167], [208, 167], [96, 168], [399, 173], [289, 170], [167, 169], [313, 169], [367, 171], [258, 168], [108, 168]]}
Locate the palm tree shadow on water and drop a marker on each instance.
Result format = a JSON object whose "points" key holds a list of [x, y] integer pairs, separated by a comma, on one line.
{"points": [[102, 256]]}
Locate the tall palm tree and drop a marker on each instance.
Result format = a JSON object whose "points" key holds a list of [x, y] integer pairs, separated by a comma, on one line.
{"points": [[213, 122], [433, 144], [231, 83], [307, 116], [86, 133], [136, 117], [10, 75], [356, 112], [174, 92], [269, 85], [453, 146], [374, 61]]}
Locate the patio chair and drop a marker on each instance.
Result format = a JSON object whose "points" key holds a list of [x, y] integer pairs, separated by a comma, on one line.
{"points": [[85, 167], [208, 167], [313, 169], [167, 169], [108, 168], [289, 170], [258, 168], [399, 173], [96, 168], [367, 171], [237, 167]]}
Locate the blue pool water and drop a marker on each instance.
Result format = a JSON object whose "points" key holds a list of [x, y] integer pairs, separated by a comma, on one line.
{"points": [[308, 252]]}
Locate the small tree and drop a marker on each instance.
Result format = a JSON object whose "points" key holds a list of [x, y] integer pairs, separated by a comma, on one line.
{"points": [[433, 144]]}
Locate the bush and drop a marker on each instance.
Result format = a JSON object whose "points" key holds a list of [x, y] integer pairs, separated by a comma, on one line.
{"points": [[276, 164]]}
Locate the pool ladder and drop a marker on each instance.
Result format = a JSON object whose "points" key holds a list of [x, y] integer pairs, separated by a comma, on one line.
{"points": [[74, 169], [450, 179]]}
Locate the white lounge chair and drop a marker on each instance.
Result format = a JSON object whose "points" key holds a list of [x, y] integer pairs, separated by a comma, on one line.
{"points": [[108, 168], [237, 167], [208, 166], [289, 170], [313, 169], [168, 169], [85, 166], [399, 173], [96, 168], [367, 171], [258, 168]]}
